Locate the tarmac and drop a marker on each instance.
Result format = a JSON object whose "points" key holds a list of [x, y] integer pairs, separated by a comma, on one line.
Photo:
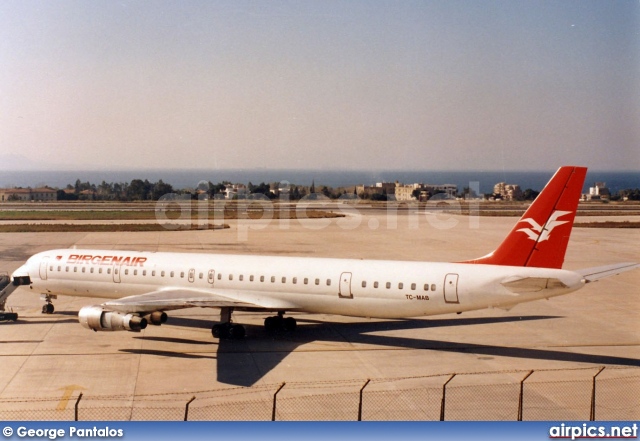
{"points": [[53, 356]]}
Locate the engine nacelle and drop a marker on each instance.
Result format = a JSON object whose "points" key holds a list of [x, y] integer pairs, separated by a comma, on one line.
{"points": [[157, 318], [98, 319]]}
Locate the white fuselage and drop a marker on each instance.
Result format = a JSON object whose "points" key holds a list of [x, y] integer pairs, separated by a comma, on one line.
{"points": [[362, 288]]}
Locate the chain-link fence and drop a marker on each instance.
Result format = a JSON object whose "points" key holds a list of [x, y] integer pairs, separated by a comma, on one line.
{"points": [[564, 394]]}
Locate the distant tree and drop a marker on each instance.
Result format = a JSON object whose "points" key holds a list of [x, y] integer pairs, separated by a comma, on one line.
{"points": [[137, 190], [379, 197], [630, 194], [160, 189], [262, 188], [216, 189], [530, 195]]}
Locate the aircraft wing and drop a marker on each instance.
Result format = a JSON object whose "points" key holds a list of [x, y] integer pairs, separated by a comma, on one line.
{"points": [[176, 298], [600, 272]]}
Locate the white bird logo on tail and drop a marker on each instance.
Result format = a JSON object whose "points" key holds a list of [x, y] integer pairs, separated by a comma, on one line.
{"points": [[541, 233]]}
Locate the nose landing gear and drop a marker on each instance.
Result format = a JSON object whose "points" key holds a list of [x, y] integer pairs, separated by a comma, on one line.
{"points": [[48, 307]]}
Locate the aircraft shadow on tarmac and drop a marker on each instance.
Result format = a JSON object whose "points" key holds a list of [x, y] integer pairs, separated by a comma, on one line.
{"points": [[244, 362]]}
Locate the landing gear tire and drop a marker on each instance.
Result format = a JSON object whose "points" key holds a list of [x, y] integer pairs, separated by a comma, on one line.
{"points": [[216, 331], [228, 331], [278, 323], [289, 324], [236, 332], [48, 308]]}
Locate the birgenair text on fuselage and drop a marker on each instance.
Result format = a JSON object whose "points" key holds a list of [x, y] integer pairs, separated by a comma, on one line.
{"points": [[142, 286]]}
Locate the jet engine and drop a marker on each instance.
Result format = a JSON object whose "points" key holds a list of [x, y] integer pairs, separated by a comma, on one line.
{"points": [[156, 318], [97, 318]]}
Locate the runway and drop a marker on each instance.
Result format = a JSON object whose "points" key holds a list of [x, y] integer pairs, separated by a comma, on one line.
{"points": [[50, 355]]}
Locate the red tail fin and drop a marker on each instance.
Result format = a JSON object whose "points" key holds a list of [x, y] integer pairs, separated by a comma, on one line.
{"points": [[540, 237]]}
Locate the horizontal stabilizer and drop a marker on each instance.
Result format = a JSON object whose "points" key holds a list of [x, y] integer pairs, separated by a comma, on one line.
{"points": [[522, 285], [600, 272]]}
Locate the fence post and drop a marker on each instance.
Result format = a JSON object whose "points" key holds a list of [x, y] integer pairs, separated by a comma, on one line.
{"points": [[444, 392], [273, 411], [186, 409], [592, 415], [360, 403], [77, 403], [521, 397]]}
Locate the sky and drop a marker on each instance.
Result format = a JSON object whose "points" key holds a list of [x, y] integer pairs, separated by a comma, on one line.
{"points": [[323, 84]]}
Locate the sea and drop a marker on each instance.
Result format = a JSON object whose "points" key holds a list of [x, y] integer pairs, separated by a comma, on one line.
{"points": [[185, 179]]}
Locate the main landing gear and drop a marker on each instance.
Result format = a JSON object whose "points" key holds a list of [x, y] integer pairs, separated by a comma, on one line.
{"points": [[227, 330], [279, 323]]}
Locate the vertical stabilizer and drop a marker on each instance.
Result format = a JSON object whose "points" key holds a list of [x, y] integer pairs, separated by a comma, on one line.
{"points": [[540, 237]]}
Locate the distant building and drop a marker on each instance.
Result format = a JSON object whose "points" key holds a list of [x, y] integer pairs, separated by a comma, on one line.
{"points": [[405, 192], [508, 192], [386, 188], [43, 194], [235, 190], [599, 191]]}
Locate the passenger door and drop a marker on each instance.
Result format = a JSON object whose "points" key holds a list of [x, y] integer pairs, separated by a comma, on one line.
{"points": [[451, 288], [345, 286]]}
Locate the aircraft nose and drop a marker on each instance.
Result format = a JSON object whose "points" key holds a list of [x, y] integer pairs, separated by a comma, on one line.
{"points": [[21, 275]]}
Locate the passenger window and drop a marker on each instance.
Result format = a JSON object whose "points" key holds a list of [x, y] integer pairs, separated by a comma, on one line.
{"points": [[66, 268], [91, 270], [59, 269], [375, 284], [200, 276], [230, 276], [162, 274], [388, 285], [51, 268], [108, 270], [99, 270], [83, 269], [262, 278], [135, 272], [426, 287], [182, 274], [153, 273], [433, 287], [171, 274], [273, 279], [75, 269], [219, 276], [328, 282], [144, 272], [317, 281], [400, 285], [284, 280], [364, 284], [250, 278], [126, 272], [413, 287], [306, 281], [241, 277], [294, 280]]}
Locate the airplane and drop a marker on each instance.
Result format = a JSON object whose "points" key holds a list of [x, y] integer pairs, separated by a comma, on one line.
{"points": [[143, 286]]}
